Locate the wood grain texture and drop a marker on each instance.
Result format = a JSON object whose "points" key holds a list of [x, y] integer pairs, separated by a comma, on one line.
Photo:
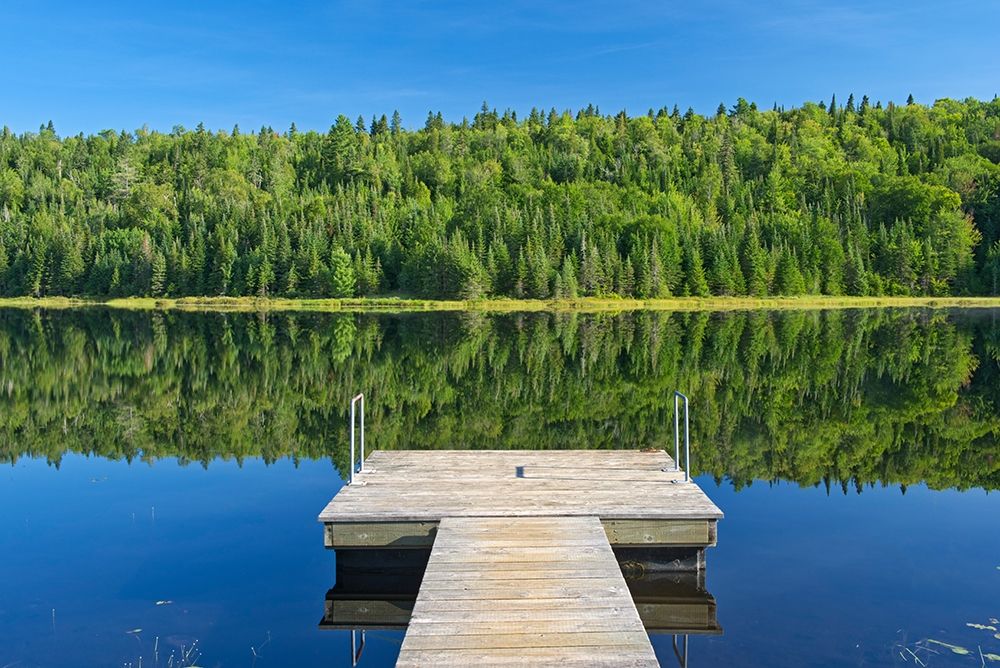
{"points": [[380, 534], [424, 486], [557, 597]]}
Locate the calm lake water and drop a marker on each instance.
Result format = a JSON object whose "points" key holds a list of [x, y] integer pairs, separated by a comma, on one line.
{"points": [[164, 471]]}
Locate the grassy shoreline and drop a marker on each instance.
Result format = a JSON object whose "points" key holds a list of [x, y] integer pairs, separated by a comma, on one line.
{"points": [[582, 304]]}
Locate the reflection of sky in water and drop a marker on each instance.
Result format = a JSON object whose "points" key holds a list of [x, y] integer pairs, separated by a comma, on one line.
{"points": [[801, 578]]}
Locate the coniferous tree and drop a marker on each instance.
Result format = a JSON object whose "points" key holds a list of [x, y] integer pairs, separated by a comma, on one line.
{"points": [[754, 263], [696, 283], [855, 275], [788, 277], [342, 279], [568, 275], [158, 279]]}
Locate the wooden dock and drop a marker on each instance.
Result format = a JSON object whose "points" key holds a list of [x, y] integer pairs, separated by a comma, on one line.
{"points": [[525, 590], [521, 568]]}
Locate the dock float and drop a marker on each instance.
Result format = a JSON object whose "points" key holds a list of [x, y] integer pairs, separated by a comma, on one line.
{"points": [[522, 566]]}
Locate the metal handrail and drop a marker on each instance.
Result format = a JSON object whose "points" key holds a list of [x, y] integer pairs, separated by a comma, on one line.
{"points": [[682, 661], [357, 649], [354, 402], [677, 437]]}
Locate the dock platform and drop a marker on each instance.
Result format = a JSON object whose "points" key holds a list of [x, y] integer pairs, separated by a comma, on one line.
{"points": [[526, 590], [522, 565]]}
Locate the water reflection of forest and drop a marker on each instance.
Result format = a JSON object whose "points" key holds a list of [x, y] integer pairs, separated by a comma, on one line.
{"points": [[842, 398]]}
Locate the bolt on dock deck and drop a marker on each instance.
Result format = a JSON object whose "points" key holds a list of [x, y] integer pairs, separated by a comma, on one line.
{"points": [[521, 566]]}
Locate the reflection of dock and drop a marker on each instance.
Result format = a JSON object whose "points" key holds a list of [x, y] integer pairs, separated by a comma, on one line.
{"points": [[674, 603], [377, 589], [521, 566], [374, 589]]}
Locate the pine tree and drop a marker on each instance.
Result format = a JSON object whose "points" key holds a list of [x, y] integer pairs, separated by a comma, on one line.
{"points": [[696, 284], [788, 277], [626, 283], [342, 279], [754, 263], [158, 279], [291, 281], [538, 272], [265, 277], [36, 275], [570, 287], [855, 276], [657, 284], [225, 258], [520, 276], [71, 269]]}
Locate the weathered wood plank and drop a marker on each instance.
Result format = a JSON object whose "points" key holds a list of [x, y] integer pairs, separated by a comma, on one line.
{"points": [[598, 657], [526, 572], [534, 603], [637, 532], [424, 486], [525, 617], [560, 600], [417, 641], [380, 534]]}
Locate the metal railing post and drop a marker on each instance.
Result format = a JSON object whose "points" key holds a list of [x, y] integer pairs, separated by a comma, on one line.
{"points": [[354, 403], [357, 649], [682, 661]]}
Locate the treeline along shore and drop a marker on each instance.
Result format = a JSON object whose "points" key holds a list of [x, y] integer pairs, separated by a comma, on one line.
{"points": [[837, 398], [854, 198]]}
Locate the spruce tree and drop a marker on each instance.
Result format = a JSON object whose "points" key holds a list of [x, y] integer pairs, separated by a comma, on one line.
{"points": [[342, 279], [754, 263], [158, 279], [855, 276], [569, 281], [788, 277], [696, 284], [291, 281]]}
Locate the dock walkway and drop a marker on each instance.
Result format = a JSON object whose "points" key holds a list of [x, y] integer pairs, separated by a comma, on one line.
{"points": [[521, 566], [525, 591]]}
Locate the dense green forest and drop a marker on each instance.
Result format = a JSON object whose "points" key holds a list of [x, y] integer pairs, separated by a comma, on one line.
{"points": [[842, 398], [830, 198]]}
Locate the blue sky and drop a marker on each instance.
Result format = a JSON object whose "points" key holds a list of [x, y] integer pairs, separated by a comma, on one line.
{"points": [[95, 65]]}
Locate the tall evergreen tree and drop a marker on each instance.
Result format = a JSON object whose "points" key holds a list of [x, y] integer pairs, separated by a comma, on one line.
{"points": [[342, 279]]}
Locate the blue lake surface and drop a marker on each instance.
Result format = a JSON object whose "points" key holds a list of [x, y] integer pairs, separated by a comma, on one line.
{"points": [[829, 555]]}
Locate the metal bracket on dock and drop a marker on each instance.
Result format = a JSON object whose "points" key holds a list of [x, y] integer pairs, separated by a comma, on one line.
{"points": [[354, 402], [677, 437]]}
